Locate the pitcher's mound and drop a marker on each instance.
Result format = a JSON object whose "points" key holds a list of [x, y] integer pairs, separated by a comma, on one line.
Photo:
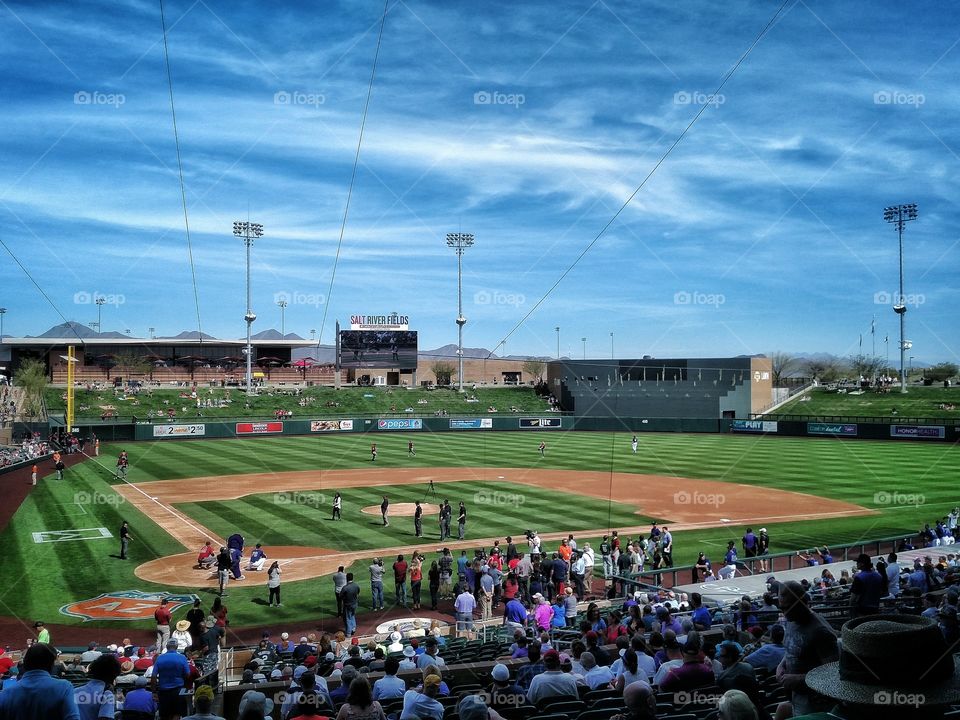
{"points": [[402, 509]]}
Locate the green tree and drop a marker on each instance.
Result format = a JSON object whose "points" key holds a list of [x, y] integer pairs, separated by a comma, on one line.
{"points": [[940, 372], [31, 376], [826, 370], [132, 364]]}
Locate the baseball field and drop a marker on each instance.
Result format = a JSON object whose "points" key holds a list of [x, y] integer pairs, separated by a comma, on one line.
{"points": [[61, 550]]}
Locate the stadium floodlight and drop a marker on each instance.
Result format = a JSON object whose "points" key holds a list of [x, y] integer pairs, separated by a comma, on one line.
{"points": [[584, 341], [898, 215], [100, 301], [460, 242], [152, 330], [3, 311], [611, 346], [248, 231], [282, 304]]}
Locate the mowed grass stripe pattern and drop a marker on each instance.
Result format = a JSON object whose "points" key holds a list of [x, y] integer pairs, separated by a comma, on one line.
{"points": [[493, 509], [842, 469]]}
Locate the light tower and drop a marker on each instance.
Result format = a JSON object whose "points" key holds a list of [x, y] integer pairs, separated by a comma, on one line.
{"points": [[3, 311], [898, 215], [282, 304], [100, 301], [248, 231], [460, 242]]}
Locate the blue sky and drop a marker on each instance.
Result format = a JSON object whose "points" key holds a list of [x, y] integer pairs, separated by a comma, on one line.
{"points": [[527, 124]]}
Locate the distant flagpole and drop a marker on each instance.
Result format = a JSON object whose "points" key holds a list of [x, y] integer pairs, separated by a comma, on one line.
{"points": [[873, 336]]}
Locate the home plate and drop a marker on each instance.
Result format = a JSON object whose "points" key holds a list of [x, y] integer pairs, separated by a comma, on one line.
{"points": [[501, 477]]}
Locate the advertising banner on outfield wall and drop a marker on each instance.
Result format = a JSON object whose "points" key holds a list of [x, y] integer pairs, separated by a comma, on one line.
{"points": [[764, 426], [831, 429], [551, 423], [330, 425], [162, 431], [400, 424], [918, 431], [259, 428], [471, 423]]}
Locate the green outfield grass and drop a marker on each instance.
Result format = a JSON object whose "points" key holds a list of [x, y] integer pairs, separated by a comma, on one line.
{"points": [[918, 402], [36, 579], [319, 400]]}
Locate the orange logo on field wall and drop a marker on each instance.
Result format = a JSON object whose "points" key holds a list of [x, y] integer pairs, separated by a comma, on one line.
{"points": [[124, 605]]}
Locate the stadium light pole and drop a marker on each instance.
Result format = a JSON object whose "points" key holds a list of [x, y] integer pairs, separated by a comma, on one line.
{"points": [[558, 341], [249, 232], [584, 341], [460, 242], [898, 215], [282, 304], [3, 311], [611, 347], [152, 331], [100, 301]]}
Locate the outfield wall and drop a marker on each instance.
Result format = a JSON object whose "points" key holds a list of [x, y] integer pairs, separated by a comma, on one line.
{"points": [[545, 422]]}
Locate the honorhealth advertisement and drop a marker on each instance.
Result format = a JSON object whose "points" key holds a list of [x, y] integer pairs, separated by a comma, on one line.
{"points": [[815, 428], [162, 431], [330, 425], [400, 424], [764, 426], [259, 428], [927, 432], [552, 423], [471, 424]]}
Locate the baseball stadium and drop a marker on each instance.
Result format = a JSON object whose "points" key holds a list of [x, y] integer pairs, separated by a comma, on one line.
{"points": [[380, 522]]}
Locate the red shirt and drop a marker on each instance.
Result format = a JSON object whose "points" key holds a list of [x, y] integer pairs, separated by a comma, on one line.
{"points": [[510, 588], [162, 615], [416, 574], [143, 663], [400, 571]]}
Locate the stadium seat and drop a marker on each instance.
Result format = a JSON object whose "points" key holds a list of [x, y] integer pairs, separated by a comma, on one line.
{"points": [[520, 712], [607, 703], [599, 714], [593, 695], [568, 708]]}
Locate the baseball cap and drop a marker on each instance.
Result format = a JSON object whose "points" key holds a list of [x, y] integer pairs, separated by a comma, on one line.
{"points": [[551, 654], [172, 644], [395, 636], [500, 673], [276, 674], [298, 671], [472, 708], [303, 638], [141, 681], [284, 636], [329, 657]]}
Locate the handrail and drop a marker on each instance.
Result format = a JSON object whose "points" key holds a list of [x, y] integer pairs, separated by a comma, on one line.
{"points": [[653, 578], [879, 419]]}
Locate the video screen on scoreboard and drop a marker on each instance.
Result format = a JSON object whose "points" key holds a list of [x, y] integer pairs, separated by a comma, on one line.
{"points": [[378, 349]]}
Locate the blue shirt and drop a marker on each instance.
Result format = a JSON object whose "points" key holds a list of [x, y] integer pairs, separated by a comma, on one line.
{"points": [[139, 700], [701, 616], [95, 701], [170, 669], [515, 612], [389, 687], [766, 656], [417, 706], [38, 696], [462, 563], [731, 557]]}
